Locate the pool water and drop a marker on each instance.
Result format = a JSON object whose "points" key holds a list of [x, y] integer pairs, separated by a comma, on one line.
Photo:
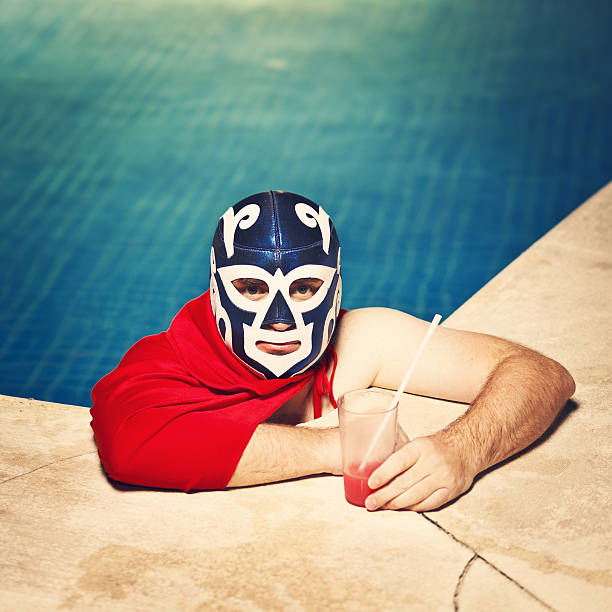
{"points": [[442, 137]]}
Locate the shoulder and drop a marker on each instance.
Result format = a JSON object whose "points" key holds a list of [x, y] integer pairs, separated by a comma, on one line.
{"points": [[374, 324], [148, 362], [149, 348], [362, 341]]}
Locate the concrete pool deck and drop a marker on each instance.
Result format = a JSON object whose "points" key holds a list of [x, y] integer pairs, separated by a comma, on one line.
{"points": [[532, 534]]}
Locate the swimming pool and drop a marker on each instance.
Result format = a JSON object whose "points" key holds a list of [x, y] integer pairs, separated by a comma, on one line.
{"points": [[443, 139]]}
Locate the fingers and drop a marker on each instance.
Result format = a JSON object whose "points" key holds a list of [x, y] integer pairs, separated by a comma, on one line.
{"points": [[420, 497], [435, 500], [422, 475], [400, 493], [397, 463]]}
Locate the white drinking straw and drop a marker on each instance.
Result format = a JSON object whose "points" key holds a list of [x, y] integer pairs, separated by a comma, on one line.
{"points": [[400, 390]]}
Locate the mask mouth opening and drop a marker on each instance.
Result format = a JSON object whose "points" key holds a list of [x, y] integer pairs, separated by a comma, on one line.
{"points": [[278, 348]]}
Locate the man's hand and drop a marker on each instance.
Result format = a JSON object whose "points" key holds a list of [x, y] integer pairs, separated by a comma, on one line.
{"points": [[422, 475]]}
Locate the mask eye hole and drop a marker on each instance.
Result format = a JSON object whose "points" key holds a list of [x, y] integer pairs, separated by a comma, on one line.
{"points": [[304, 288], [251, 288]]}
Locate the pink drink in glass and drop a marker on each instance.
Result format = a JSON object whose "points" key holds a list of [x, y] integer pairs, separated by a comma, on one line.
{"points": [[356, 483], [367, 433]]}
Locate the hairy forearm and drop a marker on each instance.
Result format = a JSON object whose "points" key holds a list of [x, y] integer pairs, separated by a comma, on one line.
{"points": [[281, 452], [519, 401]]}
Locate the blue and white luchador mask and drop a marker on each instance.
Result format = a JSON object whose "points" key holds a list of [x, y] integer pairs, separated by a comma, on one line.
{"points": [[275, 283]]}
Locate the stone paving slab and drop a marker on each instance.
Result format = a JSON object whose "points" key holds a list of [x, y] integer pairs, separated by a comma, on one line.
{"points": [[33, 437], [531, 535], [544, 517], [483, 589], [73, 541]]}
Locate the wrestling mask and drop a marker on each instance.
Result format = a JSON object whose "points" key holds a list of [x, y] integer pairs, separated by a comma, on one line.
{"points": [[275, 239]]}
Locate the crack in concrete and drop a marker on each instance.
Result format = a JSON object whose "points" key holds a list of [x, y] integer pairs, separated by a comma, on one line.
{"points": [[456, 603], [40, 467], [459, 584], [471, 561]]}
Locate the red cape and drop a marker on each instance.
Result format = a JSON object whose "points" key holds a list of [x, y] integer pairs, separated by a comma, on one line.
{"points": [[179, 409]]}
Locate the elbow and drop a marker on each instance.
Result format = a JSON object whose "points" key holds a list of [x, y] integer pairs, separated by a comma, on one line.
{"points": [[568, 381], [114, 449], [555, 376], [118, 454], [154, 463], [116, 460], [560, 379]]}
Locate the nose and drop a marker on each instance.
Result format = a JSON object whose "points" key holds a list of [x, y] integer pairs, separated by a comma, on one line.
{"points": [[278, 313], [279, 326]]}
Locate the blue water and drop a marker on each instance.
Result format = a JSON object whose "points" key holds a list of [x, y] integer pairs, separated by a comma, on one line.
{"points": [[442, 137]]}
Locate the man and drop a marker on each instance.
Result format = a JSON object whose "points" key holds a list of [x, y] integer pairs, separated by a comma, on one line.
{"points": [[213, 402]]}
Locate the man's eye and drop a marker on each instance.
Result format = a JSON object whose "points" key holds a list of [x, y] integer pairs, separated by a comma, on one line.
{"points": [[252, 289], [304, 289]]}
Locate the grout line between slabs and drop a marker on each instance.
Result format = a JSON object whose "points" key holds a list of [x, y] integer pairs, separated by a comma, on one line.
{"points": [[459, 584], [471, 561]]}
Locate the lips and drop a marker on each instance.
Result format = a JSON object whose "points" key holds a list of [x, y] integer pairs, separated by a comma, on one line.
{"points": [[278, 348]]}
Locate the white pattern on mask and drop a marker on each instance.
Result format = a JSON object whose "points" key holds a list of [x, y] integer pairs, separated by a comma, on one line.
{"points": [[245, 218], [310, 217], [278, 364]]}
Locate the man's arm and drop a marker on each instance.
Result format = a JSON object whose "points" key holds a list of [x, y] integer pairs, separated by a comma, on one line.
{"points": [[514, 393], [281, 452]]}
